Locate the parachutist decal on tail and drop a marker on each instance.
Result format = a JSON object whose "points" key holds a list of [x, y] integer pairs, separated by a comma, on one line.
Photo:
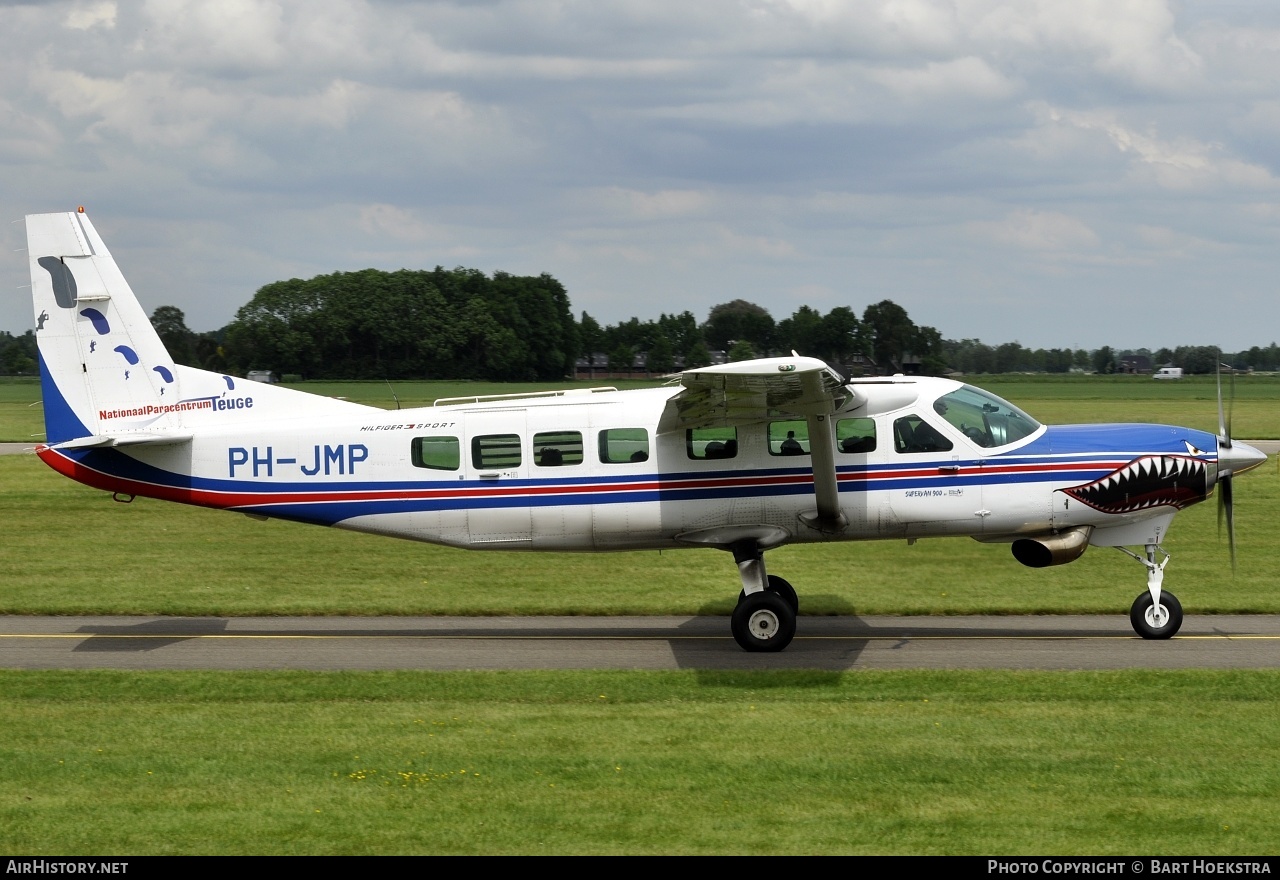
{"points": [[742, 457]]}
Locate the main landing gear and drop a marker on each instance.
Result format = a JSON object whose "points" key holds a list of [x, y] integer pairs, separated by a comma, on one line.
{"points": [[765, 617], [1155, 614]]}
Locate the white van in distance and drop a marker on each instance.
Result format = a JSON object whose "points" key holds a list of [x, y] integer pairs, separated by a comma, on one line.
{"points": [[1168, 373]]}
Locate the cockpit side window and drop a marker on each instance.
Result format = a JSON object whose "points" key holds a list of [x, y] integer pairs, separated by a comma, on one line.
{"points": [[913, 434], [985, 419]]}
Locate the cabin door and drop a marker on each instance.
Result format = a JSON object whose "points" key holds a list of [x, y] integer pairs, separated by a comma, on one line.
{"points": [[496, 456]]}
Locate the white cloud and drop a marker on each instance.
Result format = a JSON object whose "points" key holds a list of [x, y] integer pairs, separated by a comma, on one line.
{"points": [[1041, 231], [1177, 163], [83, 16], [621, 203], [234, 36], [976, 160]]}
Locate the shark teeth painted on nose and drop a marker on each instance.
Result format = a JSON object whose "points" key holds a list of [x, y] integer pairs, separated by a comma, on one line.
{"points": [[1151, 481]]}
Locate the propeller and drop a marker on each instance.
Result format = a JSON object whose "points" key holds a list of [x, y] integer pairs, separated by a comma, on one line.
{"points": [[1234, 458], [1225, 497]]}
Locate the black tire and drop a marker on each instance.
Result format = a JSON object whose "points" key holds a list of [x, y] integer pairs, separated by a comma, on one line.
{"points": [[763, 621], [1140, 615], [784, 589]]}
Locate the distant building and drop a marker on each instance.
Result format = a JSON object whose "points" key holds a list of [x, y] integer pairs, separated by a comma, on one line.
{"points": [[1134, 363]]}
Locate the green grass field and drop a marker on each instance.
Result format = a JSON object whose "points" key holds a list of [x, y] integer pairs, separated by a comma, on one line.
{"points": [[996, 763], [952, 762]]}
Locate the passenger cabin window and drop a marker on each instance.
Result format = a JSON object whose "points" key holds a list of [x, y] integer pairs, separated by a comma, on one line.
{"points": [[495, 451], [436, 453], [704, 443], [622, 445], [856, 435], [913, 434], [556, 448], [789, 438]]}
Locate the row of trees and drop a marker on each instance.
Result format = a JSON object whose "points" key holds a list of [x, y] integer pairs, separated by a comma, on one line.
{"points": [[458, 324], [463, 324], [973, 356], [885, 334]]}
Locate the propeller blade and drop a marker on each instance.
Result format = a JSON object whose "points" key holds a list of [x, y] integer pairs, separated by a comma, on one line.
{"points": [[1224, 429], [1226, 509], [1231, 402], [1226, 498]]}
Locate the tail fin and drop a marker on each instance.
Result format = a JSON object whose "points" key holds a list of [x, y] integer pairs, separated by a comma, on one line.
{"points": [[99, 355], [106, 377]]}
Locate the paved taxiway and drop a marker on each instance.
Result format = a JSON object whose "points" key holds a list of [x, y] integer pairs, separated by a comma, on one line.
{"points": [[451, 643]]}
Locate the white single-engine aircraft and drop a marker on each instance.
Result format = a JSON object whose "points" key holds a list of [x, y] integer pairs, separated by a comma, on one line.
{"points": [[742, 457]]}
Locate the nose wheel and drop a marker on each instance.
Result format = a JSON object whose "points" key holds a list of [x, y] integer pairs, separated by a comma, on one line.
{"points": [[1157, 613], [1156, 620]]}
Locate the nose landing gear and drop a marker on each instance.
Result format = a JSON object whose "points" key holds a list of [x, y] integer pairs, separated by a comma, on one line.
{"points": [[1155, 614]]}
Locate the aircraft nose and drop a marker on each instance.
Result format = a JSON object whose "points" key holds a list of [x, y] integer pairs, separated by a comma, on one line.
{"points": [[1238, 458]]}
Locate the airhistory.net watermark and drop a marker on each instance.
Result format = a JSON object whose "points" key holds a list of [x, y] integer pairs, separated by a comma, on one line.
{"points": [[64, 866]]}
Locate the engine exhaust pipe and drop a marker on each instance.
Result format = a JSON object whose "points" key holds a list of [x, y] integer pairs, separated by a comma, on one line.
{"points": [[1066, 546]]}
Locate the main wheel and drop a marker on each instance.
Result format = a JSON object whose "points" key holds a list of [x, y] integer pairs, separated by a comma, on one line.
{"points": [[763, 621], [1152, 625], [783, 589]]}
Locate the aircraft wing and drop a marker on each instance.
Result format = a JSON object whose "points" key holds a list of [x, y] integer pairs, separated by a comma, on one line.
{"points": [[752, 392]]}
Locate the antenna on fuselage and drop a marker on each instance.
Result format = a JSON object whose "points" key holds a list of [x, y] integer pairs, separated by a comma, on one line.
{"points": [[393, 392]]}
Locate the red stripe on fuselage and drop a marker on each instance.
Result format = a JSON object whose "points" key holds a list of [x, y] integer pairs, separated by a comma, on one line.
{"points": [[231, 499]]}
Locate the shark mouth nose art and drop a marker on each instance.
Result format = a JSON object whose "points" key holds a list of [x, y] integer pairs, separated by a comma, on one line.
{"points": [[1151, 481]]}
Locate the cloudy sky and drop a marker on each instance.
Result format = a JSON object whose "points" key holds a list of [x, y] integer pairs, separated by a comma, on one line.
{"points": [[1099, 172]]}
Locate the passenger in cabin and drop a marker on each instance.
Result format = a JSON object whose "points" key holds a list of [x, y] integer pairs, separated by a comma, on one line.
{"points": [[550, 457], [715, 449], [791, 446], [639, 455]]}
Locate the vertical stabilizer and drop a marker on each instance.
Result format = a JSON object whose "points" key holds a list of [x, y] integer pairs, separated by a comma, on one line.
{"points": [[102, 365]]}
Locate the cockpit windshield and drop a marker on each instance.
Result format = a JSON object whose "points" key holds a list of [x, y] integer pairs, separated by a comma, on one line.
{"points": [[985, 419]]}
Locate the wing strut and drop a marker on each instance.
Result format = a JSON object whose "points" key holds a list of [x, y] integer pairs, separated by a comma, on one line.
{"points": [[822, 451], [753, 392]]}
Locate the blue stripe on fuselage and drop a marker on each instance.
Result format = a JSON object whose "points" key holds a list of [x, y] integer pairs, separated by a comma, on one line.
{"points": [[1074, 453]]}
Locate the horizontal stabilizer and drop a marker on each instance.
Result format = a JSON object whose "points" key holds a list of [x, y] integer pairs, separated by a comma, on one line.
{"points": [[129, 439]]}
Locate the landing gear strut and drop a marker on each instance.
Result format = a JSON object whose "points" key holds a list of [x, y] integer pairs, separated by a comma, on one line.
{"points": [[1155, 614], [765, 617]]}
